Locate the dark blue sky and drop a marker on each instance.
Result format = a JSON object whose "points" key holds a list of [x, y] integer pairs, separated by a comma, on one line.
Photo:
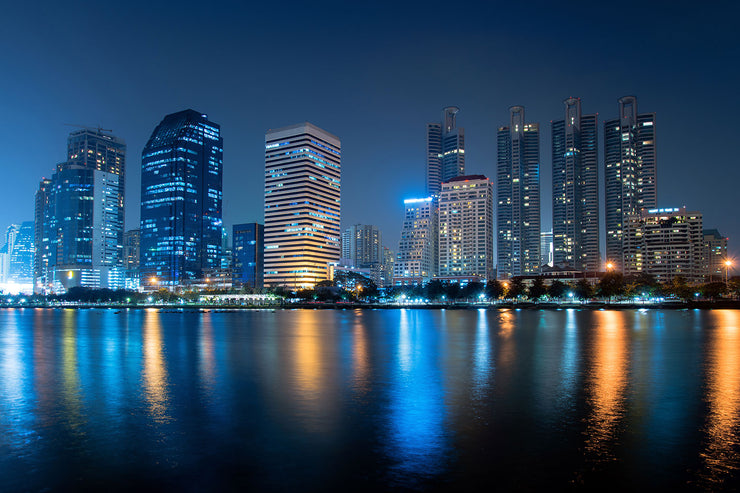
{"points": [[373, 75]]}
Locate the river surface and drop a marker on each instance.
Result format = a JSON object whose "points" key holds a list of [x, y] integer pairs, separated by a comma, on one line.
{"points": [[319, 400]]}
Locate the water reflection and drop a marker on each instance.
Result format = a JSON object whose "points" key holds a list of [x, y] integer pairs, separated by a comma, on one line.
{"points": [[360, 356], [71, 391], [720, 455], [417, 406], [207, 358], [154, 371], [482, 356], [606, 384]]}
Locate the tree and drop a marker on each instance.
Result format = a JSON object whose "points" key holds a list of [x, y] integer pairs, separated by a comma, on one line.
{"points": [[680, 288], [473, 290], [537, 290], [453, 290], [713, 290], [494, 289], [583, 289], [557, 289], [516, 288], [642, 284], [611, 285], [434, 289]]}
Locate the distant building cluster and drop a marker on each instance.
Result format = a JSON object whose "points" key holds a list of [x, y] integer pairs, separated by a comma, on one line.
{"points": [[467, 227], [442, 237]]}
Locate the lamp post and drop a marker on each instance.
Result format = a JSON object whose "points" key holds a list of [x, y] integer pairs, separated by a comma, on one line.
{"points": [[728, 264]]}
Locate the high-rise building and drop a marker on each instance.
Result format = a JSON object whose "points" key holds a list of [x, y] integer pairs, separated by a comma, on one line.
{"points": [[86, 244], [415, 259], [445, 150], [518, 197], [248, 255], [21, 257], [715, 255], [386, 268], [546, 249], [630, 172], [42, 224], [302, 205], [665, 243], [466, 227], [95, 149], [181, 197], [363, 245], [6, 251], [575, 189], [131, 258]]}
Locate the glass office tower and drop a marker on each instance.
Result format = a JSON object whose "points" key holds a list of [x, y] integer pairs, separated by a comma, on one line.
{"points": [[181, 197], [248, 255]]}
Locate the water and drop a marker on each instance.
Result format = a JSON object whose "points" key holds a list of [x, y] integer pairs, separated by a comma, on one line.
{"points": [[318, 400]]}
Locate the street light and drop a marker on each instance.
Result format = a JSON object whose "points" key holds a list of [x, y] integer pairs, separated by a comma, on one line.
{"points": [[609, 266], [728, 264]]}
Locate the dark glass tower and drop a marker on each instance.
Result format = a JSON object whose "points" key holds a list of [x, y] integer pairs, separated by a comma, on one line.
{"points": [[518, 197], [248, 255], [630, 172], [575, 189], [181, 195], [445, 150]]}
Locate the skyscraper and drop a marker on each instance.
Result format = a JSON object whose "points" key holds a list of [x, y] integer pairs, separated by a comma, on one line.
{"points": [[518, 196], [85, 237], [575, 189], [42, 229], [415, 259], [181, 196], [95, 149], [466, 227], [248, 255], [21, 257], [302, 205], [445, 150], [630, 172], [132, 257], [363, 245]]}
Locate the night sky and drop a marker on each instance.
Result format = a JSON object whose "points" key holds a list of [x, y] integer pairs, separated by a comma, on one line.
{"points": [[373, 74]]}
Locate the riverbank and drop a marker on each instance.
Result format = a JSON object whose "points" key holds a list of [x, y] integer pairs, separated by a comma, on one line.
{"points": [[593, 305]]}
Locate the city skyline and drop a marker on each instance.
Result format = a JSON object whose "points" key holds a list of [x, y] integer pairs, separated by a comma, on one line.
{"points": [[131, 104]]}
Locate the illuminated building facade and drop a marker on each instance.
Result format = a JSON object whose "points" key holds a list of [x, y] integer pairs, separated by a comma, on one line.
{"points": [[96, 149], [630, 173], [575, 189], [181, 200], [42, 230], [466, 227], [131, 257], [302, 205], [715, 255], [85, 236], [415, 259], [445, 150], [248, 255], [363, 245], [665, 243], [546, 248], [518, 197]]}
